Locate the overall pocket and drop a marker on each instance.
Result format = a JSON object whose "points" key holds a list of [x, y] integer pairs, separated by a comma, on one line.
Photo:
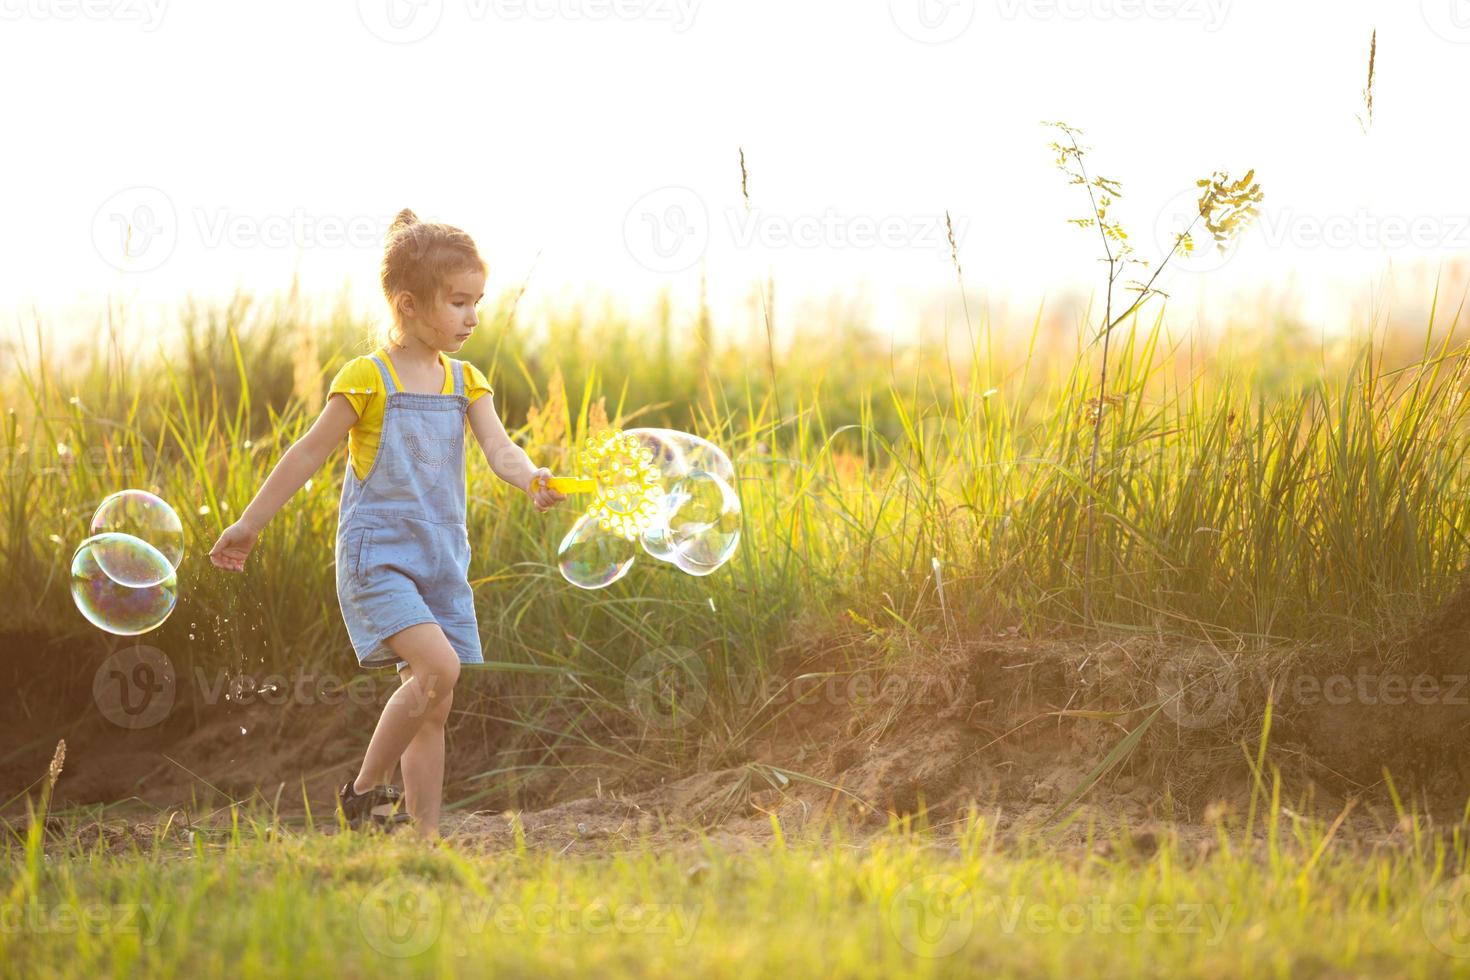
{"points": [[432, 450], [359, 542]]}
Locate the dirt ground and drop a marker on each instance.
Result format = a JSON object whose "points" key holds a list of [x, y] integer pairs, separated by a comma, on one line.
{"points": [[1007, 725]]}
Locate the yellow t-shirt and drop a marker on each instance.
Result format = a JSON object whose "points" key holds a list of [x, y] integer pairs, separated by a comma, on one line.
{"points": [[361, 384]]}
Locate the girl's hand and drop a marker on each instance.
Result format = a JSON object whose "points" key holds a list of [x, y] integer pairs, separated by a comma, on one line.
{"points": [[542, 495], [233, 546]]}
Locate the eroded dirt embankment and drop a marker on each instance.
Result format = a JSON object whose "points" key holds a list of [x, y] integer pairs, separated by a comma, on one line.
{"points": [[997, 722]]}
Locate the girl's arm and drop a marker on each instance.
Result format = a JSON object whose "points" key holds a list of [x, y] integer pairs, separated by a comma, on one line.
{"points": [[291, 472], [506, 459]]}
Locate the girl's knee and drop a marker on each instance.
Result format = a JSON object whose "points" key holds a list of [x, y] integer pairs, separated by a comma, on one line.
{"points": [[446, 675], [437, 674], [438, 712], [435, 688]]}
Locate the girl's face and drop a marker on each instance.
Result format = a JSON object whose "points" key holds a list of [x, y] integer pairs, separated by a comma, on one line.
{"points": [[448, 323]]}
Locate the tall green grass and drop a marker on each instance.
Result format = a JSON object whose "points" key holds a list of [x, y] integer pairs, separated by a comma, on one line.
{"points": [[1244, 500]]}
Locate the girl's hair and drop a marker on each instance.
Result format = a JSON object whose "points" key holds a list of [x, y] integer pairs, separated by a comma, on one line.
{"points": [[419, 255]]}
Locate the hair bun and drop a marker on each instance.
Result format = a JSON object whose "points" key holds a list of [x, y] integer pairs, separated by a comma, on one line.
{"points": [[402, 220]]}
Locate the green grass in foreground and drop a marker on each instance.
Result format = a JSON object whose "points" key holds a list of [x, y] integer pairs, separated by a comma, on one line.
{"points": [[904, 903]]}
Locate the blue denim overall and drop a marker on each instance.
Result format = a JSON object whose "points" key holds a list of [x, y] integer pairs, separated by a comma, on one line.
{"points": [[403, 553]]}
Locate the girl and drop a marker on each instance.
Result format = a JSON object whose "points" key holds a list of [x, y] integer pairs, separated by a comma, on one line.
{"points": [[402, 549]]}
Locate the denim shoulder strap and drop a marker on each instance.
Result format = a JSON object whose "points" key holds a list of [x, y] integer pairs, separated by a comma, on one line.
{"points": [[387, 375]]}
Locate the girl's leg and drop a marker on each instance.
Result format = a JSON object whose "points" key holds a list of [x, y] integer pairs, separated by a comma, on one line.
{"points": [[435, 670], [423, 767]]}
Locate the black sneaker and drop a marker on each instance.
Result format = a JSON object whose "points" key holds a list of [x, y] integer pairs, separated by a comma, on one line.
{"points": [[358, 808]]}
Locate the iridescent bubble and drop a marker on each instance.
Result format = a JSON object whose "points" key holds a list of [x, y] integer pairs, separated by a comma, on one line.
{"points": [[591, 557], [663, 450], [706, 456], [656, 542], [109, 604], [136, 514], [677, 453], [703, 521], [692, 567]]}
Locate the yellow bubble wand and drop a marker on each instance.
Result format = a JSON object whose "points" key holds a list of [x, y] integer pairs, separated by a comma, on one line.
{"points": [[624, 479]]}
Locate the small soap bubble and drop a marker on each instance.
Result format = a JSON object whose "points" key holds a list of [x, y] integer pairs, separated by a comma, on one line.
{"points": [[691, 567], [591, 557], [109, 604], [656, 542], [703, 521]]}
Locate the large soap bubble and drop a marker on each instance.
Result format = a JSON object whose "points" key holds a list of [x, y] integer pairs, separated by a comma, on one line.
{"points": [[592, 557], [139, 515], [108, 603], [689, 515]]}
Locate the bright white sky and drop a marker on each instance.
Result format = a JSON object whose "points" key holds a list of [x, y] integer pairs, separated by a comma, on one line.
{"points": [[541, 127]]}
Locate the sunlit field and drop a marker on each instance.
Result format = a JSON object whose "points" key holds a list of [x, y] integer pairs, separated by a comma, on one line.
{"points": [[907, 534], [953, 901], [901, 509]]}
